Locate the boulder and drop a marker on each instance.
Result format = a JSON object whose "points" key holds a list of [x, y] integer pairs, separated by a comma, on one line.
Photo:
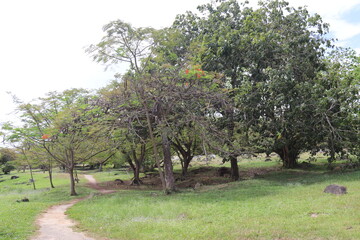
{"points": [[118, 181], [14, 177], [25, 199], [335, 189]]}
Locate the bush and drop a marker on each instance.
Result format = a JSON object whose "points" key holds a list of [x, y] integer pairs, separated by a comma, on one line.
{"points": [[7, 168]]}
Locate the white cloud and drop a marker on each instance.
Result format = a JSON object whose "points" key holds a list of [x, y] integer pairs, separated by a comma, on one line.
{"points": [[344, 30]]}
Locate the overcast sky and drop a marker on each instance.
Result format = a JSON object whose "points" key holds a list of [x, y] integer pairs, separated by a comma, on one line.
{"points": [[42, 41]]}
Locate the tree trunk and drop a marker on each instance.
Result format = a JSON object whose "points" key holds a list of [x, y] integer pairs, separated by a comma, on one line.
{"points": [[288, 156], [62, 167], [72, 181], [50, 178], [136, 168], [185, 167], [100, 167], [136, 180], [32, 177], [185, 154], [234, 168], [168, 168], [233, 157], [153, 141]]}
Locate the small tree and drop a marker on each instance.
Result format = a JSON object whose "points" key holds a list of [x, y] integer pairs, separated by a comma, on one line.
{"points": [[67, 127]]}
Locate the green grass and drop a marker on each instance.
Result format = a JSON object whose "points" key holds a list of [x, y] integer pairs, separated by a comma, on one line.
{"points": [[287, 204], [284, 204], [17, 219]]}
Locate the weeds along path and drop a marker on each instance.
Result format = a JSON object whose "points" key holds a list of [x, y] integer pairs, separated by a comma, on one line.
{"points": [[55, 225]]}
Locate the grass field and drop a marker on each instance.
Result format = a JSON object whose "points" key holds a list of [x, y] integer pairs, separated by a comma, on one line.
{"points": [[286, 204], [281, 204], [17, 219]]}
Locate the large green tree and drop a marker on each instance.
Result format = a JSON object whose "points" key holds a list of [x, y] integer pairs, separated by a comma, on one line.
{"points": [[270, 57]]}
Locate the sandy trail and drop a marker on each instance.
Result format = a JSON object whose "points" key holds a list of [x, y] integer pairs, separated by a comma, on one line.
{"points": [[55, 225], [93, 184]]}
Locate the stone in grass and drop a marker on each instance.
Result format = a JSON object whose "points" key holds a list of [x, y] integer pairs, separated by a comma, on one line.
{"points": [[25, 199], [118, 181], [335, 189], [14, 177]]}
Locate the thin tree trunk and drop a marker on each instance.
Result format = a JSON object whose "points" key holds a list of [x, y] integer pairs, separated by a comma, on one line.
{"points": [[234, 168], [168, 168], [135, 167], [185, 168], [185, 155], [153, 141], [32, 177], [136, 180], [72, 181], [50, 175], [233, 157]]}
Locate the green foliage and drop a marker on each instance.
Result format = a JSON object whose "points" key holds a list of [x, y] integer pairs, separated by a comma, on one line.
{"points": [[337, 92], [7, 159], [7, 155], [64, 127], [7, 168], [270, 58]]}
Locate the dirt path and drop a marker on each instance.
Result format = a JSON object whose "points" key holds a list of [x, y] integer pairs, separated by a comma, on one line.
{"points": [[93, 184], [55, 225]]}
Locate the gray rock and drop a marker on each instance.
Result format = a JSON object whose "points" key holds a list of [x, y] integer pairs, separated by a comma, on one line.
{"points": [[118, 181], [25, 199], [335, 189], [14, 177]]}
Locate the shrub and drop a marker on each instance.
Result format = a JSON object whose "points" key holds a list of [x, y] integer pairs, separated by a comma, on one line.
{"points": [[7, 168]]}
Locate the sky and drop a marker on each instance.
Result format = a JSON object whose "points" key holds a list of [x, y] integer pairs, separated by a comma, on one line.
{"points": [[42, 43]]}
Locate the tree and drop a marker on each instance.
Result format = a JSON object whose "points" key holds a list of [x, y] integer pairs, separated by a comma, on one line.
{"points": [[270, 58], [186, 143], [124, 43], [223, 44], [67, 126], [337, 92]]}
